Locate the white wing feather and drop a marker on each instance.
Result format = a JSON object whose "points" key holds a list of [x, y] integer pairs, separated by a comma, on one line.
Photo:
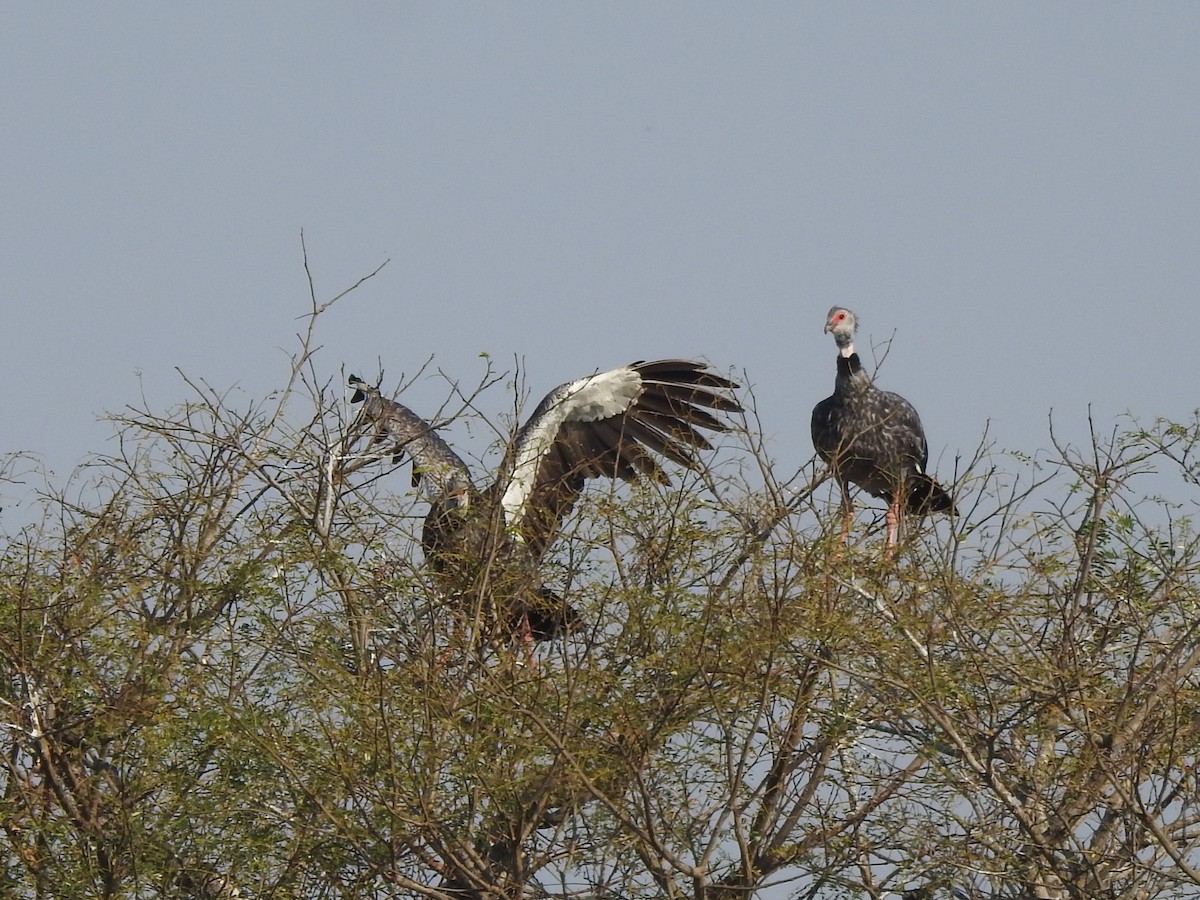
{"points": [[586, 400]]}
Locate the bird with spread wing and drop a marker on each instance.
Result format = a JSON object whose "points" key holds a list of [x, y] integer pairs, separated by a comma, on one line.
{"points": [[485, 546]]}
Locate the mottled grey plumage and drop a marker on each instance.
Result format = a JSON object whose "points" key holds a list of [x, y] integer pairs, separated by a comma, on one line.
{"points": [[873, 438], [608, 425], [435, 465]]}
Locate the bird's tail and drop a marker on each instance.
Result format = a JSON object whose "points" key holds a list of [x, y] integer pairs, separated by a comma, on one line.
{"points": [[549, 617], [926, 496]]}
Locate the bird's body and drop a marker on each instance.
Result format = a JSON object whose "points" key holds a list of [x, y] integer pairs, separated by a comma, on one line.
{"points": [[486, 546], [873, 438]]}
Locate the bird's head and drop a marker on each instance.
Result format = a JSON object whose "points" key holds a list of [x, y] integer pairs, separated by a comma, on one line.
{"points": [[458, 495], [841, 323], [361, 389]]}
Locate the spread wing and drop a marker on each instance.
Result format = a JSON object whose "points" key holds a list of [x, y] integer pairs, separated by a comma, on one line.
{"points": [[612, 425], [436, 467]]}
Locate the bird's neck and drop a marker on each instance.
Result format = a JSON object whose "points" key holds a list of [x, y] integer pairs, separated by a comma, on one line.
{"points": [[851, 376]]}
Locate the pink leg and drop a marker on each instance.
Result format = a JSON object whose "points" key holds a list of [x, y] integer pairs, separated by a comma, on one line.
{"points": [[847, 514], [527, 643], [893, 521]]}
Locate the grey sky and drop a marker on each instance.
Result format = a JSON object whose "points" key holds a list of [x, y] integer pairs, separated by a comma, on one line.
{"points": [[1013, 189]]}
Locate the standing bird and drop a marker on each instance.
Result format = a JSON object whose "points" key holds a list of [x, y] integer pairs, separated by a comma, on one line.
{"points": [[873, 438], [486, 546]]}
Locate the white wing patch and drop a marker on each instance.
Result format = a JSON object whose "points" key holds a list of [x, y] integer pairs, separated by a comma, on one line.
{"points": [[586, 400]]}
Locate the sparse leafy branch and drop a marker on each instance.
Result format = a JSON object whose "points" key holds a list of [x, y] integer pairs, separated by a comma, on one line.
{"points": [[227, 672]]}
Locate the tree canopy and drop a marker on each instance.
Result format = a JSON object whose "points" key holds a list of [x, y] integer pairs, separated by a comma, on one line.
{"points": [[228, 673]]}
